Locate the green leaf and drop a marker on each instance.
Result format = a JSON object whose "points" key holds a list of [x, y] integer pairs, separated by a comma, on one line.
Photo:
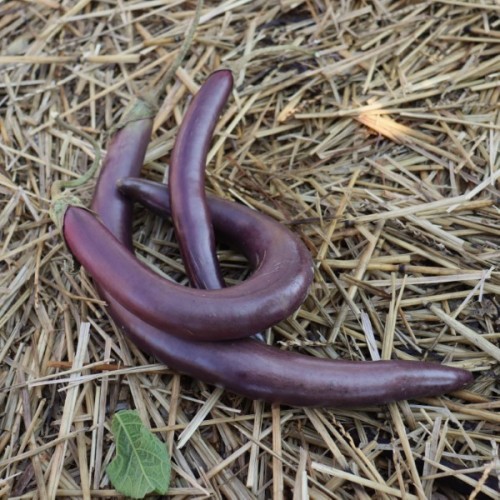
{"points": [[142, 464]]}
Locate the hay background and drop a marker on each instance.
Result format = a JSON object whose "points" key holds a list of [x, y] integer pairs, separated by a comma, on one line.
{"points": [[373, 128]]}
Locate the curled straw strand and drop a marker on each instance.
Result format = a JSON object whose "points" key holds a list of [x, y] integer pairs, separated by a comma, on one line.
{"points": [[61, 198]]}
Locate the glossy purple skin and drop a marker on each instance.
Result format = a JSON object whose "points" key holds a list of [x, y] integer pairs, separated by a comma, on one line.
{"points": [[190, 215], [125, 156], [259, 371], [247, 367], [278, 286], [262, 372], [192, 223]]}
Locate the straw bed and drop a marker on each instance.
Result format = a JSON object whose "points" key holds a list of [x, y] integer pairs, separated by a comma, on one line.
{"points": [[372, 129]]}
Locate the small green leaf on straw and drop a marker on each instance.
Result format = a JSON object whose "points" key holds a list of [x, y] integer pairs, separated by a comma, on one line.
{"points": [[142, 463]]}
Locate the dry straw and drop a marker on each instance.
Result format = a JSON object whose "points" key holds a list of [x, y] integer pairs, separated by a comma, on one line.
{"points": [[372, 129]]}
